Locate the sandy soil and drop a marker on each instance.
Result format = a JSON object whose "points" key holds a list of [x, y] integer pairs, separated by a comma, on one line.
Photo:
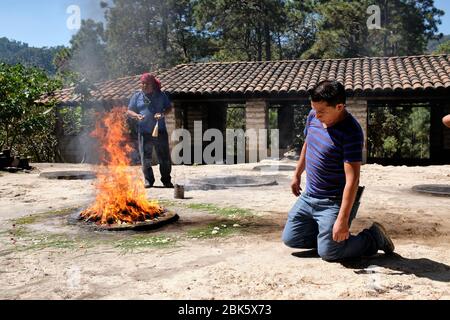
{"points": [[42, 257]]}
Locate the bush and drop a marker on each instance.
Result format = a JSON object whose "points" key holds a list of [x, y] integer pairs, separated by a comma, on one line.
{"points": [[27, 127]]}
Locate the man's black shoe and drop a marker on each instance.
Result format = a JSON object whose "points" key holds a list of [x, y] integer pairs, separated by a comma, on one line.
{"points": [[384, 242], [148, 186], [168, 185]]}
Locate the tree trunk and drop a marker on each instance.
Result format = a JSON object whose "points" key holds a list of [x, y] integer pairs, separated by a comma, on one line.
{"points": [[183, 41], [259, 42], [268, 41], [164, 33], [267, 37], [13, 141], [5, 143]]}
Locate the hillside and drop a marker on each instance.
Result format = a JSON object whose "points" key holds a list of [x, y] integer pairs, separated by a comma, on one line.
{"points": [[13, 52], [433, 44]]}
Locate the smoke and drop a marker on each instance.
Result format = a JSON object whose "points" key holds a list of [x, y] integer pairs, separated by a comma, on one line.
{"points": [[88, 64]]}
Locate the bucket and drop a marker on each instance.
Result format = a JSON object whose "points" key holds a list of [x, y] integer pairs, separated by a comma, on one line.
{"points": [[178, 191]]}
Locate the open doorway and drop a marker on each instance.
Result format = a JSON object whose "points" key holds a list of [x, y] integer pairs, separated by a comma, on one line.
{"points": [[399, 133]]}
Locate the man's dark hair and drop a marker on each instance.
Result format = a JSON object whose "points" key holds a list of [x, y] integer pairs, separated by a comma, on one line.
{"points": [[330, 91]]}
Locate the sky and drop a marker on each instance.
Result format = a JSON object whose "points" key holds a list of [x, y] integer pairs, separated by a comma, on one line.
{"points": [[43, 23]]}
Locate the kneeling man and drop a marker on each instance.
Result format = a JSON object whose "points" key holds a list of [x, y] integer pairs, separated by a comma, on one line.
{"points": [[332, 156]]}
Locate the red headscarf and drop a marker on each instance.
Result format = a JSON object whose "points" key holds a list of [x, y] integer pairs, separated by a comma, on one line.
{"points": [[152, 80]]}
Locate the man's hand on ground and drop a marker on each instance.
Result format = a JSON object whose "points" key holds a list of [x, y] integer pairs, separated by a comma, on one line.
{"points": [[341, 231], [295, 186]]}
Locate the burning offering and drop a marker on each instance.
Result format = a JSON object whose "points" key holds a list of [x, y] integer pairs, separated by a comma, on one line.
{"points": [[121, 201]]}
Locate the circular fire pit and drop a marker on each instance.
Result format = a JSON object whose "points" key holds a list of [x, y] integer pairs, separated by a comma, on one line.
{"points": [[68, 175], [165, 218], [214, 183], [274, 168], [442, 190]]}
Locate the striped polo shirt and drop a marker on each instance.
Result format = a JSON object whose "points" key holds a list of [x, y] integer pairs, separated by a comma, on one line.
{"points": [[327, 150]]}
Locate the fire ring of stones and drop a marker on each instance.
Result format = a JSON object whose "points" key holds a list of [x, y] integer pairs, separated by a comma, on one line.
{"points": [[163, 219], [442, 190], [68, 175]]}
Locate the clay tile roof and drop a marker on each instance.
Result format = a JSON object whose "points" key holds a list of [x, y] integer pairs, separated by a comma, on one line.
{"points": [[359, 75]]}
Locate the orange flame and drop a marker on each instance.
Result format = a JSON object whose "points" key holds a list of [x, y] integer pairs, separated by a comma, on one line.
{"points": [[121, 196]]}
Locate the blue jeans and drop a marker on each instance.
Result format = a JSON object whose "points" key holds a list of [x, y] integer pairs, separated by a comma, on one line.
{"points": [[310, 226]]}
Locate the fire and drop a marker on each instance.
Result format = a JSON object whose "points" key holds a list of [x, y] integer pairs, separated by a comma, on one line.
{"points": [[121, 196]]}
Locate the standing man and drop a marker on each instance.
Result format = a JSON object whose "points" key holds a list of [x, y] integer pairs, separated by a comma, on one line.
{"points": [[149, 107], [332, 157]]}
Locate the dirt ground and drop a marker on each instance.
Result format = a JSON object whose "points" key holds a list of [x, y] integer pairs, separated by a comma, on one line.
{"points": [[226, 244]]}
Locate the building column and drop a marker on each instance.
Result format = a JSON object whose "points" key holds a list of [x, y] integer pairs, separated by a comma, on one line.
{"points": [[359, 109], [256, 117]]}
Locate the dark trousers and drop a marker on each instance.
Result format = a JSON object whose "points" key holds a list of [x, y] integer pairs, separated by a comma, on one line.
{"points": [[161, 143]]}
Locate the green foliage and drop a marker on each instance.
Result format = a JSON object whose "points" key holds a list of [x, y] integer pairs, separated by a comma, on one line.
{"points": [[300, 116], [299, 31], [86, 61], [214, 230], [41, 242], [399, 132], [406, 27], [72, 120], [443, 48], [145, 35], [341, 30], [246, 29], [33, 218], [26, 126], [13, 52], [88, 52], [390, 146], [435, 43], [273, 118], [226, 212], [235, 117], [62, 63]]}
